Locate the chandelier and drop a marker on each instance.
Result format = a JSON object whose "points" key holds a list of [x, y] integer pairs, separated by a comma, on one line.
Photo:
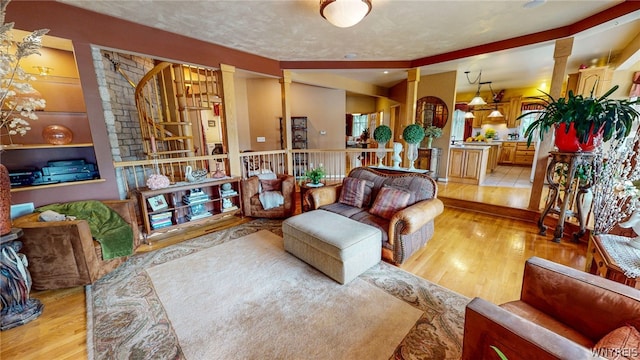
{"points": [[344, 13], [478, 100]]}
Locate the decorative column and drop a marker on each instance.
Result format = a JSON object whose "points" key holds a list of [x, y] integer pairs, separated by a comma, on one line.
{"points": [[230, 118], [285, 90], [561, 54], [413, 79]]}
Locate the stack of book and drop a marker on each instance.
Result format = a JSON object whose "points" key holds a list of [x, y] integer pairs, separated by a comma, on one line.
{"points": [[192, 216], [161, 220], [196, 196], [227, 192]]}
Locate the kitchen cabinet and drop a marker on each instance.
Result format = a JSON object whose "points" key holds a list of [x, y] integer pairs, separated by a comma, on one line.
{"points": [[524, 154], [507, 153], [480, 115], [468, 164], [584, 81], [494, 156], [515, 105]]}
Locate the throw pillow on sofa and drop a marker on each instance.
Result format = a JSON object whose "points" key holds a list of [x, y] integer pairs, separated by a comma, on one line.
{"points": [[353, 192], [621, 343], [389, 201]]}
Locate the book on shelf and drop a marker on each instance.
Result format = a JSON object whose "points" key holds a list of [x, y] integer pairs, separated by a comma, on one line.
{"points": [[191, 201], [234, 207], [159, 216], [192, 217], [225, 193], [161, 224]]}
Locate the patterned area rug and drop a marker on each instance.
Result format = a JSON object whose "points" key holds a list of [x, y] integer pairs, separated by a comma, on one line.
{"points": [[126, 318]]}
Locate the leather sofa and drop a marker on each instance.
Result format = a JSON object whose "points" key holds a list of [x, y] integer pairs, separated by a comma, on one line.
{"points": [[251, 205], [409, 229], [562, 313], [63, 254]]}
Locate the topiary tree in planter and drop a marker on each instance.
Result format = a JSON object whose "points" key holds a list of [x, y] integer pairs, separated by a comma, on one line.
{"points": [[413, 135], [382, 135]]}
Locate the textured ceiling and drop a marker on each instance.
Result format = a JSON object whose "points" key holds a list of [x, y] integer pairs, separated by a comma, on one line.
{"points": [[293, 30]]}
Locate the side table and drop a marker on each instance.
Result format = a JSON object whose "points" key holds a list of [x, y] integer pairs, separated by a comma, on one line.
{"points": [[15, 284], [564, 188], [599, 262], [304, 207]]}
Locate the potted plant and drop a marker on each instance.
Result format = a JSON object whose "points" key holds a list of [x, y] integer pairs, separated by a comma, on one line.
{"points": [[579, 120], [315, 175], [489, 134], [413, 135], [431, 132], [382, 135]]}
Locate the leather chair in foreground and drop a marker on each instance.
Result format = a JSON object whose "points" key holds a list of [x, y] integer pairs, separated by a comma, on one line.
{"points": [[563, 313], [63, 254]]}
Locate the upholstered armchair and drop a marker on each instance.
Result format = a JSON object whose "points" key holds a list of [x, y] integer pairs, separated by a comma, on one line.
{"points": [[253, 187], [562, 313], [64, 254]]}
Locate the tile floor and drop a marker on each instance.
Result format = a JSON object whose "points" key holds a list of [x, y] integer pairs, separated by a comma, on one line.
{"points": [[509, 176]]}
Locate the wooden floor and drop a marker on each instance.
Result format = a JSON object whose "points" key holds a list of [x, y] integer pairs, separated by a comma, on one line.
{"points": [[471, 253]]}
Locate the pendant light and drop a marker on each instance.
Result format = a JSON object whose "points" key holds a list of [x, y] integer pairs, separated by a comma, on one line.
{"points": [[477, 99]]}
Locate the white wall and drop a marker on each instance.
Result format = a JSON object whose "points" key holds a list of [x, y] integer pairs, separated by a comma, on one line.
{"points": [[242, 112], [325, 110]]}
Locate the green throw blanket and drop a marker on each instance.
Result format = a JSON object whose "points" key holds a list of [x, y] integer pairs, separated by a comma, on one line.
{"points": [[107, 226]]}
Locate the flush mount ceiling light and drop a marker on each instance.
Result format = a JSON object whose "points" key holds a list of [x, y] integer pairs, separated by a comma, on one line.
{"points": [[344, 13]]}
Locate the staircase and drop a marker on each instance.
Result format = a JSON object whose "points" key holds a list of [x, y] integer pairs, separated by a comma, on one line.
{"points": [[170, 99]]}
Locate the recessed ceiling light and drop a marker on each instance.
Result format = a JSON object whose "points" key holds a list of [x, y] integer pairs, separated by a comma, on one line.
{"points": [[533, 4], [385, 72], [350, 56]]}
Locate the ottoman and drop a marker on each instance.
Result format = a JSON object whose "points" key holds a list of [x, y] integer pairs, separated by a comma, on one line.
{"points": [[339, 247]]}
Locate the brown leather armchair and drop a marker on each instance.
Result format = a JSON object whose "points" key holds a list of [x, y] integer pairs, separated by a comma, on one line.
{"points": [[63, 254], [562, 313], [252, 206]]}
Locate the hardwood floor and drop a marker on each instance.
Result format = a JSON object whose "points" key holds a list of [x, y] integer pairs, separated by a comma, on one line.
{"points": [[471, 253]]}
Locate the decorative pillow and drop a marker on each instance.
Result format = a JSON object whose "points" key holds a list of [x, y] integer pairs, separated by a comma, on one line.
{"points": [[368, 190], [388, 201], [412, 194], [621, 343], [352, 192], [271, 185], [265, 176]]}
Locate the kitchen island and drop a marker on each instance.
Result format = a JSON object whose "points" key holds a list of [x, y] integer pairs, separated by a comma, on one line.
{"points": [[468, 163]]}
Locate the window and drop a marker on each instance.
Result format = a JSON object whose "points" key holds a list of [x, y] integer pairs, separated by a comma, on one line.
{"points": [[360, 122], [457, 128]]}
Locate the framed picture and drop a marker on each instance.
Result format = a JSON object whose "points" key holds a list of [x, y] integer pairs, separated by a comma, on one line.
{"points": [[157, 202], [212, 123]]}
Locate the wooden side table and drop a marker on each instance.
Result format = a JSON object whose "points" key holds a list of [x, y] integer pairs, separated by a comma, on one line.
{"points": [[303, 189], [599, 262], [565, 188]]}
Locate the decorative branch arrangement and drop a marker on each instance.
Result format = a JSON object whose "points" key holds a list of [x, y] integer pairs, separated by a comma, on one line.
{"points": [[615, 164], [18, 99]]}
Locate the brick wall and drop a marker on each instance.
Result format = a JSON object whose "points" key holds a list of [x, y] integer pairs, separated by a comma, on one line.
{"points": [[118, 100]]}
